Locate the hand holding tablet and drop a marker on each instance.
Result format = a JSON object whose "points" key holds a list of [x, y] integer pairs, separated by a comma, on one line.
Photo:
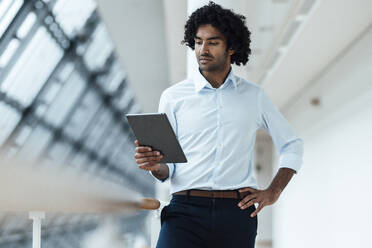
{"points": [[155, 131]]}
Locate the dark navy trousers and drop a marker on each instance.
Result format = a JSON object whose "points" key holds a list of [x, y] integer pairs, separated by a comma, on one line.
{"points": [[203, 222]]}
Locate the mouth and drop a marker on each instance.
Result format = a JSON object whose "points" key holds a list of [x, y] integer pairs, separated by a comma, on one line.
{"points": [[204, 60]]}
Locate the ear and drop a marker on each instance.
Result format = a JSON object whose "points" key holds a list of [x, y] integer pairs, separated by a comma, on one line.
{"points": [[231, 51]]}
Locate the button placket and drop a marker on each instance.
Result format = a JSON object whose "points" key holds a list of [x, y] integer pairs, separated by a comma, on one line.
{"points": [[219, 132], [218, 138]]}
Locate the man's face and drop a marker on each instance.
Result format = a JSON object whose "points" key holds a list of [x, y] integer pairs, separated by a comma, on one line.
{"points": [[210, 49]]}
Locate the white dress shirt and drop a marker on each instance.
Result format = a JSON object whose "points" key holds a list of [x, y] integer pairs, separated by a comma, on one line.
{"points": [[216, 128]]}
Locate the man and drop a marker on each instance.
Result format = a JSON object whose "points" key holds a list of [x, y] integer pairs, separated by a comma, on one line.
{"points": [[215, 115]]}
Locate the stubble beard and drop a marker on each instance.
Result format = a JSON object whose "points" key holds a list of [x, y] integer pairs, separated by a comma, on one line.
{"points": [[217, 66]]}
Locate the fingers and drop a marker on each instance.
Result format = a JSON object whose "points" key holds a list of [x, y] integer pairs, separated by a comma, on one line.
{"points": [[146, 158], [147, 154], [143, 149], [247, 190], [256, 196], [149, 159], [248, 204], [251, 202], [259, 208], [246, 199]]}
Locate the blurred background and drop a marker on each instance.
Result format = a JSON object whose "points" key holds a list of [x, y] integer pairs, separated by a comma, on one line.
{"points": [[70, 70]]}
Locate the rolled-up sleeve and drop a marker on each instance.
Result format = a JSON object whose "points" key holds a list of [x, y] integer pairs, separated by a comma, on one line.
{"points": [[282, 133], [166, 107]]}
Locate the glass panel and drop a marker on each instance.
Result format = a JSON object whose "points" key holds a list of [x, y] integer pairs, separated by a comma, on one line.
{"points": [[99, 48], [14, 223], [101, 124], [22, 134], [59, 151], [65, 99], [8, 10], [110, 141], [41, 109], [4, 6], [83, 115], [9, 52], [72, 14], [80, 161], [113, 79], [126, 98], [26, 25], [120, 148], [33, 67], [8, 121], [66, 71], [36, 143], [51, 92], [93, 166]]}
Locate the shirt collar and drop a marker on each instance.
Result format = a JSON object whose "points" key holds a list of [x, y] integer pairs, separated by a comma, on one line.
{"points": [[200, 82]]}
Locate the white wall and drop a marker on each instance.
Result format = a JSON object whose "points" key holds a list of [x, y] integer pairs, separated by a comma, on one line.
{"points": [[329, 204], [263, 159]]}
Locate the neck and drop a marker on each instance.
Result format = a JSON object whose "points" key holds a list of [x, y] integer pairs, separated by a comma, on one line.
{"points": [[216, 78]]}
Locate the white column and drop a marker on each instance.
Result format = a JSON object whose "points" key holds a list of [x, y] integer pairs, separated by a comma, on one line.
{"points": [[192, 64]]}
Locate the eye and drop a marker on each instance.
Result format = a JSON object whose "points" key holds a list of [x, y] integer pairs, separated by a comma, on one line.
{"points": [[213, 43], [198, 42]]}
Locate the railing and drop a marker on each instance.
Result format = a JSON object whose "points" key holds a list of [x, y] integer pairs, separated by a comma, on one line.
{"points": [[28, 187]]}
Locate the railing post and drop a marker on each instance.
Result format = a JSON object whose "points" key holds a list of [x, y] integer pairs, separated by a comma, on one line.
{"points": [[36, 228]]}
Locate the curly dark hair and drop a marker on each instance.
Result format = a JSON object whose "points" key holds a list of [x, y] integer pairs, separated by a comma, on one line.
{"points": [[231, 25]]}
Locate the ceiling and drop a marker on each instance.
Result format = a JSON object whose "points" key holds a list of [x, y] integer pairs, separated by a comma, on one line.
{"points": [[293, 41]]}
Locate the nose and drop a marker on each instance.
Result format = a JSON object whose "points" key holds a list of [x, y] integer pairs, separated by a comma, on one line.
{"points": [[204, 48]]}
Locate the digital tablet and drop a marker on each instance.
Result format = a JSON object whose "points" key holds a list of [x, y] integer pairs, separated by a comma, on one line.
{"points": [[155, 130]]}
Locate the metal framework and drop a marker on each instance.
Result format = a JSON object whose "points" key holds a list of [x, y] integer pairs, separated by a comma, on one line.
{"points": [[110, 156]]}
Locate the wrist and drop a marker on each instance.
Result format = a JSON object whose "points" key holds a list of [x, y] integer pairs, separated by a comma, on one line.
{"points": [[161, 171], [160, 168], [275, 190], [157, 171]]}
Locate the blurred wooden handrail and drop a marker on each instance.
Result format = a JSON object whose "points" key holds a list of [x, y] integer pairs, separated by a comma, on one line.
{"points": [[26, 187]]}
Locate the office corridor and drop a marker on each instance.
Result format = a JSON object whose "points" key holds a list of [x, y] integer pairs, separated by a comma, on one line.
{"points": [[71, 70]]}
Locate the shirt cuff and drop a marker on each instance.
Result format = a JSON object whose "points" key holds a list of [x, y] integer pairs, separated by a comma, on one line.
{"points": [[290, 160]]}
